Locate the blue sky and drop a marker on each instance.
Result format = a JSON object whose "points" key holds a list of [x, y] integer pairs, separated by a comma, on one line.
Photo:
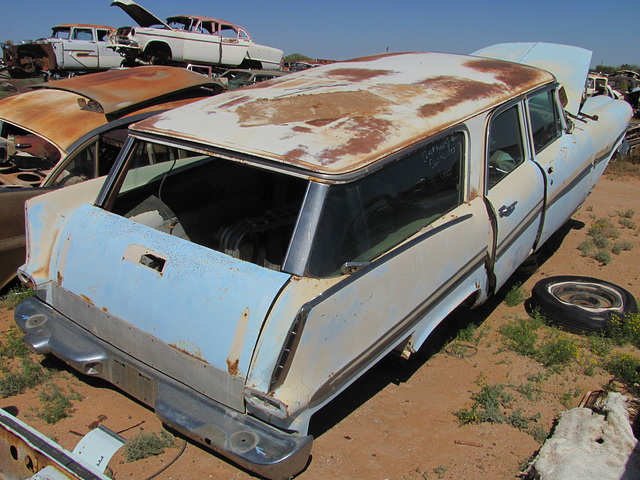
{"points": [[346, 29]]}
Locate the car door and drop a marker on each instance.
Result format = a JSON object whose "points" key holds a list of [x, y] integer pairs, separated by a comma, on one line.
{"points": [[514, 192], [564, 157], [202, 43], [81, 51]]}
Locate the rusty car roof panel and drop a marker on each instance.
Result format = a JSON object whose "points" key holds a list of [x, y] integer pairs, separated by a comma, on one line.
{"points": [[129, 87], [338, 118]]}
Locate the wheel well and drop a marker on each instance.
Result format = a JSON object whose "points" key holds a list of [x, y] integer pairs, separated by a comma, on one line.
{"points": [[157, 49]]}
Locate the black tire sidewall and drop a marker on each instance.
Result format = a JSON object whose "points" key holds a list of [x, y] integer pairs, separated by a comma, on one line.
{"points": [[577, 318]]}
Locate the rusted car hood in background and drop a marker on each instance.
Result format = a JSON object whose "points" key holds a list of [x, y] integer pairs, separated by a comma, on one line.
{"points": [[569, 64], [42, 110], [129, 87], [338, 118]]}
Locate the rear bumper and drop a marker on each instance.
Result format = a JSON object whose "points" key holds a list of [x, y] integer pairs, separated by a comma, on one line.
{"points": [[243, 439]]}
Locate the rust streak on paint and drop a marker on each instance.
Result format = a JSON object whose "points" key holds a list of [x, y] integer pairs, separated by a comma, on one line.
{"points": [[371, 58], [59, 275], [367, 134], [454, 91], [357, 74], [87, 299], [514, 75], [234, 102], [198, 355], [233, 366]]}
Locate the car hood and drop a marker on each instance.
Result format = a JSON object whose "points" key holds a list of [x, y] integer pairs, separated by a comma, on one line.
{"points": [[140, 15], [569, 64]]}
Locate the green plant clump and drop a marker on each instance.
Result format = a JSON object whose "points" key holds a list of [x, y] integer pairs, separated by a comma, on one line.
{"points": [[521, 335], [558, 350], [30, 375], [603, 257], [624, 329], [587, 248], [515, 296], [625, 367], [628, 223], [603, 227], [144, 445], [14, 296], [55, 404]]}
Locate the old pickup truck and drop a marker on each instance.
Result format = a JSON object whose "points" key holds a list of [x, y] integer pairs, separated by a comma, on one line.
{"points": [[251, 255]]}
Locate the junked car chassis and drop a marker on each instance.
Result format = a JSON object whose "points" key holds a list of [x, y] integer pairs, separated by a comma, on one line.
{"points": [[251, 255]]}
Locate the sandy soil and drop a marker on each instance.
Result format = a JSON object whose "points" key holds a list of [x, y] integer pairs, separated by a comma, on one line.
{"points": [[394, 423]]}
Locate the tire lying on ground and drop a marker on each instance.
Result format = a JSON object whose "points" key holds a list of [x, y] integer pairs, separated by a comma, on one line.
{"points": [[580, 304]]}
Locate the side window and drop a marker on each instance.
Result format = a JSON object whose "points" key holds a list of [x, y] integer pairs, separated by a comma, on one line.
{"points": [[103, 35], [545, 121], [82, 34], [506, 150], [362, 220], [79, 168]]}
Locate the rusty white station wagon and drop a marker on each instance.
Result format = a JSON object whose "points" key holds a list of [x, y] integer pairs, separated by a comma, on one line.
{"points": [[251, 255]]}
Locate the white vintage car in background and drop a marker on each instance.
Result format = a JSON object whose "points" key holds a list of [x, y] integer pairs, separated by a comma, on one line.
{"points": [[188, 39], [71, 48], [249, 257]]}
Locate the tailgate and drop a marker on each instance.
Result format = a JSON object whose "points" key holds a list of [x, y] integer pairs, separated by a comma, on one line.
{"points": [[176, 306]]}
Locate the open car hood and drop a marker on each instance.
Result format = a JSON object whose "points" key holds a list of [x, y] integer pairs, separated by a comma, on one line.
{"points": [[569, 64], [140, 15]]}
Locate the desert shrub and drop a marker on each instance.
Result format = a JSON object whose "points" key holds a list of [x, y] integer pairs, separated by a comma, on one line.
{"points": [[628, 223], [515, 296], [603, 257], [624, 329], [600, 241], [521, 335], [56, 405], [14, 296], [558, 350], [144, 445], [626, 213], [603, 227], [625, 367], [30, 375], [587, 248]]}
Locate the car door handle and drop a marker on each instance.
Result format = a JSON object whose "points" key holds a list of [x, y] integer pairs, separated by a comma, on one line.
{"points": [[505, 211]]}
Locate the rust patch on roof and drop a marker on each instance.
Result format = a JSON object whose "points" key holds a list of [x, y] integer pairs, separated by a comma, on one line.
{"points": [[309, 108], [512, 74], [234, 102], [367, 134], [300, 129], [295, 154], [357, 74], [453, 91]]}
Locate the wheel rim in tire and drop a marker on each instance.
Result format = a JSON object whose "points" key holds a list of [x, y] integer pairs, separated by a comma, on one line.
{"points": [[587, 295]]}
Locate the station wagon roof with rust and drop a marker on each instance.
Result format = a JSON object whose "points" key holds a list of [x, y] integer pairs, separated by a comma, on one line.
{"points": [[251, 255]]}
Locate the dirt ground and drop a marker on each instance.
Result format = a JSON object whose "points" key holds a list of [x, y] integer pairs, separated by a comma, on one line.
{"points": [[395, 423]]}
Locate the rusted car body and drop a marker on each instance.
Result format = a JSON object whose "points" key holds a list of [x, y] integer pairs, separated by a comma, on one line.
{"points": [[72, 48], [185, 39], [67, 131], [290, 235]]}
